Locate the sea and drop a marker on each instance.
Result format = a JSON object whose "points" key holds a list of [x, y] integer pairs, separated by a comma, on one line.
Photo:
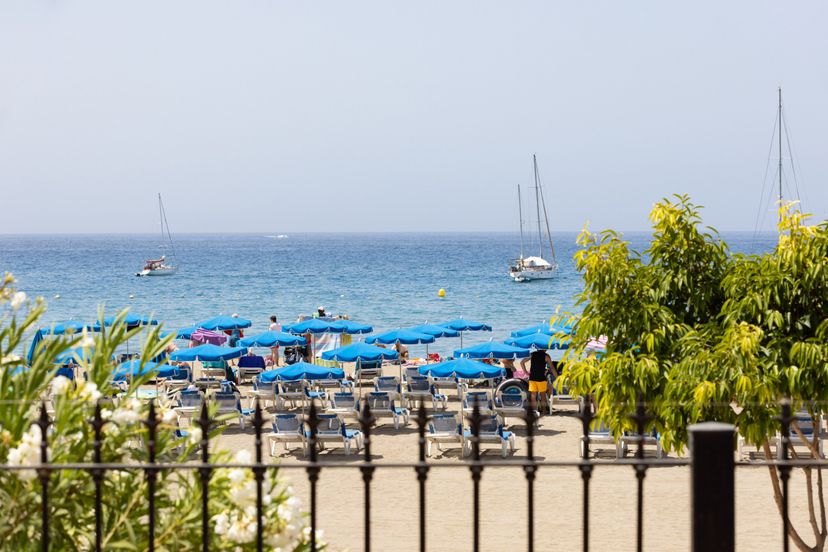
{"points": [[387, 280]]}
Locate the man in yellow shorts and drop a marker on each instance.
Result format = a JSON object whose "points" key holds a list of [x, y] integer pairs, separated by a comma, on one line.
{"points": [[539, 362]]}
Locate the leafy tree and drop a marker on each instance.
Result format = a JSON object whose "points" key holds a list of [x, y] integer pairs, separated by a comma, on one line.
{"points": [[700, 334]]}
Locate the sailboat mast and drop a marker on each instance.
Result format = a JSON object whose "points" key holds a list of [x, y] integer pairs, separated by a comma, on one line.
{"points": [[520, 214], [537, 205], [161, 216], [780, 152], [546, 220]]}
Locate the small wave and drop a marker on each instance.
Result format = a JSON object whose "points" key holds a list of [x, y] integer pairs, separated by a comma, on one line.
{"points": [[277, 237]]}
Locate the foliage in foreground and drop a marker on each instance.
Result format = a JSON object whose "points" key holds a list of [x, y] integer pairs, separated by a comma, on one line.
{"points": [[70, 439], [700, 334]]}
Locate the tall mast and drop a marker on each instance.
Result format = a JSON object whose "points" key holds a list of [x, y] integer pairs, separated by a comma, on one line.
{"points": [[161, 216], [537, 205], [520, 214], [546, 220], [780, 153]]}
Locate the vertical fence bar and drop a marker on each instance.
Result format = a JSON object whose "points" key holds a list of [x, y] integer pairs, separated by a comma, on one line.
{"points": [[530, 470], [313, 471], [366, 420], [97, 473], [204, 473], [258, 473], [586, 466], [422, 471], [640, 418], [713, 495], [152, 424], [43, 475], [785, 470], [476, 471]]}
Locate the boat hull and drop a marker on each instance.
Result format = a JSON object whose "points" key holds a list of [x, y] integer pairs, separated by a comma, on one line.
{"points": [[165, 271], [530, 275]]}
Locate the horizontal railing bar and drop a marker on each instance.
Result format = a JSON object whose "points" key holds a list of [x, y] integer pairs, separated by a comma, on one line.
{"points": [[325, 464]]}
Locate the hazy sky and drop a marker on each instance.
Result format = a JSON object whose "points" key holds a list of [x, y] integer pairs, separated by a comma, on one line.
{"points": [[276, 116]]}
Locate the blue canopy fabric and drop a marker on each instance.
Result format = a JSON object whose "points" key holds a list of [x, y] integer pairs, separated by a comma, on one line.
{"points": [[300, 371], [435, 330], [183, 333], [224, 323], [76, 355], [207, 352], [492, 349], [65, 327], [132, 368], [272, 339], [314, 326], [359, 351], [559, 326], [350, 327], [539, 340], [463, 325], [406, 337], [131, 320], [462, 368]]}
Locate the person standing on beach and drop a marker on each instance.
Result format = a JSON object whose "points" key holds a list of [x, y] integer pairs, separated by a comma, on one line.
{"points": [[274, 351], [539, 362]]}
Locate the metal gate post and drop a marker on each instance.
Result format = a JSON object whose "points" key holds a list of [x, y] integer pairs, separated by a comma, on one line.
{"points": [[713, 502]]}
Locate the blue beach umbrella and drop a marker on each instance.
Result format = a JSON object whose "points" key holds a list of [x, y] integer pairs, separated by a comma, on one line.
{"points": [[492, 349], [131, 321], [358, 352], [133, 368], [350, 327], [207, 352], [75, 354], [65, 327], [224, 323], [559, 326], [312, 326], [462, 325], [462, 368], [300, 371], [435, 330], [539, 340], [271, 339], [183, 333], [406, 337]]}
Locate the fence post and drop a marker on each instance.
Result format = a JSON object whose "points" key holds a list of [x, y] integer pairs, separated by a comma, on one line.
{"points": [[713, 521]]}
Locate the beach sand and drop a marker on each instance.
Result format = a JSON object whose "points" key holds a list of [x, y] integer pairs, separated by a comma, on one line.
{"points": [[558, 497]]}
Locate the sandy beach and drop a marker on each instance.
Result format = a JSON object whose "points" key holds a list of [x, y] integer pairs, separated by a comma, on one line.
{"points": [[558, 497]]}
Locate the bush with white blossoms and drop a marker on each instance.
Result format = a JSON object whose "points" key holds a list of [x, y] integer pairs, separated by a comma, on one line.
{"points": [[23, 388]]}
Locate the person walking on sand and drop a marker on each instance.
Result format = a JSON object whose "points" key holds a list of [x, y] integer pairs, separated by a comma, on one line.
{"points": [[539, 362], [274, 351]]}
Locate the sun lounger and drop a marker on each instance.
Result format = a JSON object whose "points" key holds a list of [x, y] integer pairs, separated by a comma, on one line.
{"points": [[420, 389], [316, 395], [368, 370], [332, 429], [265, 392], [443, 429], [631, 439], [510, 403], [600, 435], [481, 398], [213, 369], [491, 432], [343, 404], [290, 392], [189, 403], [382, 406], [249, 366], [390, 385], [288, 428], [229, 407]]}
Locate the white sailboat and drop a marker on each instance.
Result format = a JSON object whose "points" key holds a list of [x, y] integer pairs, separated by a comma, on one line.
{"points": [[161, 266], [535, 267]]}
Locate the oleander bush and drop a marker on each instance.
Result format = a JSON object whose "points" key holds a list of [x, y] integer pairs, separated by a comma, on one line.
{"points": [[23, 388], [701, 334]]}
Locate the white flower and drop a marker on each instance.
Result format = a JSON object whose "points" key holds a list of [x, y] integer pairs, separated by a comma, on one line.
{"points": [[244, 457], [60, 385], [27, 453], [17, 300], [125, 416], [236, 476], [168, 416], [221, 523], [88, 391], [194, 436]]}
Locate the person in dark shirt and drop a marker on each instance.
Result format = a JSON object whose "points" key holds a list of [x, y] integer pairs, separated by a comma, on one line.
{"points": [[539, 363]]}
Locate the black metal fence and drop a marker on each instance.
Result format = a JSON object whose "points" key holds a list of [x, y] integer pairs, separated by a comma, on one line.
{"points": [[711, 460]]}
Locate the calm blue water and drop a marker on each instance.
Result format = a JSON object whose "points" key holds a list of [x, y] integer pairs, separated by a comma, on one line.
{"points": [[387, 280]]}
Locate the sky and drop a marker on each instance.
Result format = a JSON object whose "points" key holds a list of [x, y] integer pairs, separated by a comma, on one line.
{"points": [[328, 116]]}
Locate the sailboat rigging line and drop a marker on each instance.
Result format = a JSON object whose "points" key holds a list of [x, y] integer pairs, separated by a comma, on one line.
{"points": [[546, 220], [762, 196], [790, 153], [537, 206], [166, 225], [520, 215]]}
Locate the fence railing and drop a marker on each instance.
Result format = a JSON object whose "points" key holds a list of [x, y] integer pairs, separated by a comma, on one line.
{"points": [[711, 460]]}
